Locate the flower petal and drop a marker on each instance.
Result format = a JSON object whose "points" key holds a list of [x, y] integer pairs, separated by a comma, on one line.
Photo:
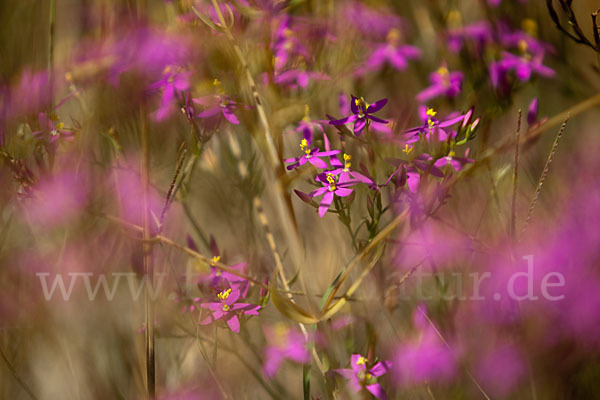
{"points": [[378, 105], [325, 203]]}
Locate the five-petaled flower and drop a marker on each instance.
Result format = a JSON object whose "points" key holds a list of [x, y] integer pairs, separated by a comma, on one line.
{"points": [[331, 187], [360, 376], [361, 114], [311, 155], [228, 309], [443, 83], [283, 343]]}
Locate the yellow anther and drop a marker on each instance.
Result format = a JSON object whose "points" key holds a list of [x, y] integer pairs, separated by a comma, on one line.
{"points": [[454, 19], [452, 153], [443, 71], [331, 181], [530, 26], [361, 361], [60, 125], [347, 157], [216, 82], [215, 260], [431, 112], [368, 376], [304, 147], [224, 294], [407, 149], [357, 102], [393, 36], [523, 46], [226, 307]]}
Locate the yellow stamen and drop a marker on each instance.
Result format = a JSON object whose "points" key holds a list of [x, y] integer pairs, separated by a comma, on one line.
{"points": [[407, 149], [226, 307], [431, 112], [224, 294], [443, 71], [304, 147], [530, 26], [215, 260], [452, 153], [331, 181], [361, 361], [347, 163]]}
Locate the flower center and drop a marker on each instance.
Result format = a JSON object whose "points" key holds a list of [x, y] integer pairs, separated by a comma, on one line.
{"points": [[215, 260], [347, 163], [224, 294], [226, 307], [430, 114], [331, 181], [304, 147], [407, 149], [361, 361]]}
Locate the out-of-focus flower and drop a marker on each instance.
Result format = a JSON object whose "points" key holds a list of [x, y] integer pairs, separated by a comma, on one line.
{"points": [[307, 127], [425, 358], [443, 83], [524, 67], [295, 78], [311, 155], [228, 309], [218, 104], [360, 376], [51, 129], [479, 33], [451, 159], [174, 80], [532, 112], [283, 343], [392, 52], [361, 114], [371, 22]]}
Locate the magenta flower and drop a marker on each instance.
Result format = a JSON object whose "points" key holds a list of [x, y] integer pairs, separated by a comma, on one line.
{"points": [[174, 80], [361, 114], [451, 159], [425, 358], [443, 83], [228, 309], [331, 188], [523, 66], [434, 126], [311, 155], [283, 343], [51, 129], [218, 104], [295, 78], [361, 377], [479, 33], [392, 52]]}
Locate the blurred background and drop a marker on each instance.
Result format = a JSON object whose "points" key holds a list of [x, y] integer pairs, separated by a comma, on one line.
{"points": [[111, 108]]}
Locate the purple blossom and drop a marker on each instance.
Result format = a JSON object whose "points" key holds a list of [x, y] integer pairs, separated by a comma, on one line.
{"points": [[218, 104], [361, 114], [532, 112], [392, 52], [360, 376], [283, 343], [443, 83], [523, 66], [455, 162], [295, 78], [311, 155], [228, 309], [174, 80], [331, 188], [479, 32], [51, 129], [433, 126], [425, 358]]}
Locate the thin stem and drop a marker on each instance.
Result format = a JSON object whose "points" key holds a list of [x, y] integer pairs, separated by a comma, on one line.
{"points": [[148, 267], [515, 177]]}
